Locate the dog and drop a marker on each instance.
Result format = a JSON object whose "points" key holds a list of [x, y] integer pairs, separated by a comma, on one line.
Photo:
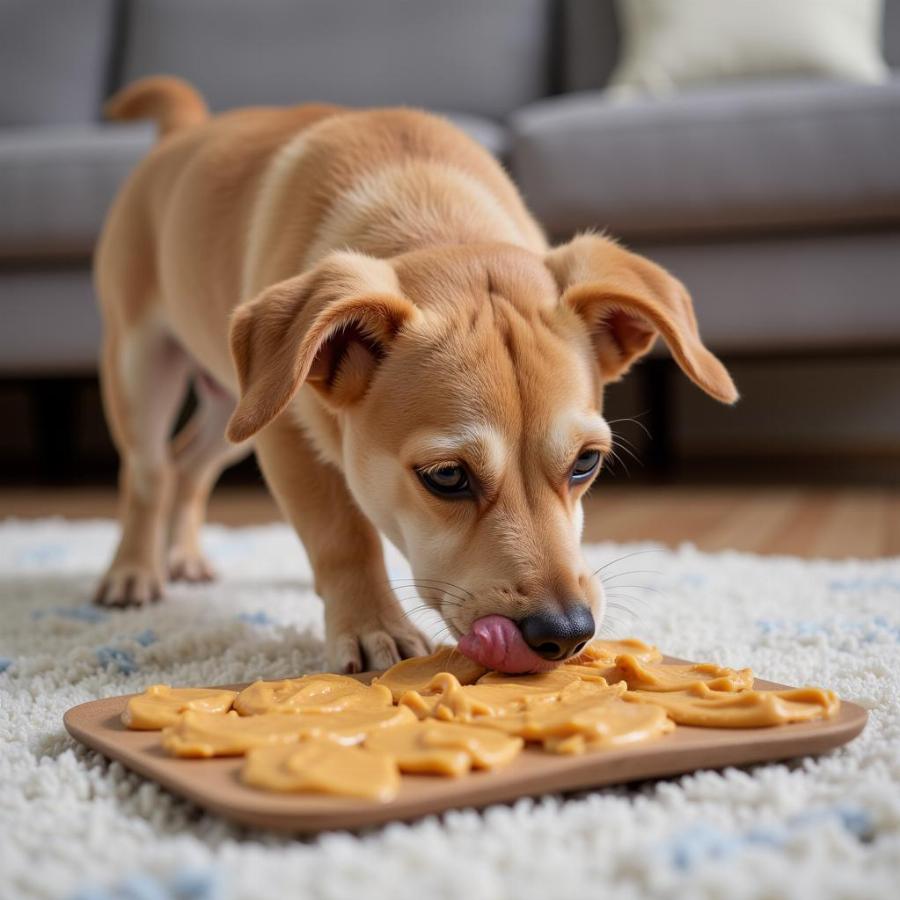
{"points": [[362, 298]]}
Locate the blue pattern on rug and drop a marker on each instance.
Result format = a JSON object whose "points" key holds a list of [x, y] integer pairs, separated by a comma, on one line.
{"points": [[256, 618], [703, 842], [877, 583], [85, 613], [116, 657], [46, 554], [187, 884], [146, 637]]}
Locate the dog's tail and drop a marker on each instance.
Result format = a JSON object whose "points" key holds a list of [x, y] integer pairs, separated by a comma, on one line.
{"points": [[171, 102]]}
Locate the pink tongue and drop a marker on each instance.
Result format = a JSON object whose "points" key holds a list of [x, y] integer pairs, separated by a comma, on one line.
{"points": [[496, 643]]}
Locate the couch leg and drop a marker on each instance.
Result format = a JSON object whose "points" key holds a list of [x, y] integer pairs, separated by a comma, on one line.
{"points": [[54, 403], [657, 398]]}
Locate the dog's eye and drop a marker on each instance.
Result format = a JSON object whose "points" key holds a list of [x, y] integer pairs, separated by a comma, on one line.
{"points": [[586, 465], [450, 482]]}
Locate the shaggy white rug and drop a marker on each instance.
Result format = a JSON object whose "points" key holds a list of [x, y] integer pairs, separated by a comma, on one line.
{"points": [[73, 825]]}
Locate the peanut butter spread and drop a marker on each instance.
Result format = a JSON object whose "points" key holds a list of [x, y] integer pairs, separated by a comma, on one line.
{"points": [[207, 734], [700, 705], [322, 767], [311, 693], [445, 748], [161, 705], [532, 684], [604, 653], [640, 677], [601, 718], [447, 699], [416, 674], [445, 715]]}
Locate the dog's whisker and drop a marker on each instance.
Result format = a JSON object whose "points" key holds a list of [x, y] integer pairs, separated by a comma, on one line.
{"points": [[620, 590], [622, 558], [614, 456], [624, 441], [433, 581], [428, 587], [610, 607], [429, 603], [454, 649], [428, 599], [459, 587], [410, 615], [416, 610], [607, 635], [617, 603], [449, 600], [620, 442], [431, 585], [622, 597], [617, 628], [627, 597], [627, 450], [433, 607], [631, 572], [634, 421], [640, 587], [611, 589], [614, 621], [613, 593], [622, 608], [444, 632]]}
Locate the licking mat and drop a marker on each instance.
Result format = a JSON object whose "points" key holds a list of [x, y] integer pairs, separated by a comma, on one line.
{"points": [[214, 784]]}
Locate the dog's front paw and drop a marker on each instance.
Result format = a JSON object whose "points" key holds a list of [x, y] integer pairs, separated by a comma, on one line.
{"points": [[129, 584], [189, 565], [373, 642]]}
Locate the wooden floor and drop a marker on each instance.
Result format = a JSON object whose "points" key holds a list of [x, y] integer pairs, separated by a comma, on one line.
{"points": [[808, 522]]}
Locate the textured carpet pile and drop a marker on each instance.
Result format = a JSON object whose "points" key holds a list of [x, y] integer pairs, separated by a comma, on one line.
{"points": [[73, 825]]}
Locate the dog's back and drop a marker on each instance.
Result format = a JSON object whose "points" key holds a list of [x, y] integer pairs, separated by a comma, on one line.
{"points": [[226, 205]]}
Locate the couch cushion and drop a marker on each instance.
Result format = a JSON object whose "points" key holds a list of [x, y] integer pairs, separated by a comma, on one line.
{"points": [[478, 57], [673, 45], [749, 157], [590, 33], [57, 183], [51, 324], [54, 60], [790, 293]]}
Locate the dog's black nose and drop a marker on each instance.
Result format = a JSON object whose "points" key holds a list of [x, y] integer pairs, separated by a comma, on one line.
{"points": [[558, 635]]}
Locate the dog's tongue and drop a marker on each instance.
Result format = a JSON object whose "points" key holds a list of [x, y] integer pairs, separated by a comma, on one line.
{"points": [[496, 643]]}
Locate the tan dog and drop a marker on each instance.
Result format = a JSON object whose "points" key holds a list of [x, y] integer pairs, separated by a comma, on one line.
{"points": [[362, 297]]}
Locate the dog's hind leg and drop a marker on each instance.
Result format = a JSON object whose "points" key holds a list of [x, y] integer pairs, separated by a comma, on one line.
{"points": [[200, 452], [144, 375]]}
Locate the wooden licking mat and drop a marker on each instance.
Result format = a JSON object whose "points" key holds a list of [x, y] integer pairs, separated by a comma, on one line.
{"points": [[214, 783]]}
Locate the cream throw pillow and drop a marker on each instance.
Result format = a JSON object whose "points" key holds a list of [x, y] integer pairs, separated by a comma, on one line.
{"points": [[670, 44]]}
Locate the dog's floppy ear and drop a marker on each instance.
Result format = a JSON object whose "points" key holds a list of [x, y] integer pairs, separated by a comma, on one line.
{"points": [[328, 327], [626, 301]]}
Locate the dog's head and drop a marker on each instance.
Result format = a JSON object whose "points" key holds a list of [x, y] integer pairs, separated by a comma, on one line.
{"points": [[466, 384]]}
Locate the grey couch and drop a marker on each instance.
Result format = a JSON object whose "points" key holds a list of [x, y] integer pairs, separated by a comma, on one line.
{"points": [[777, 202]]}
